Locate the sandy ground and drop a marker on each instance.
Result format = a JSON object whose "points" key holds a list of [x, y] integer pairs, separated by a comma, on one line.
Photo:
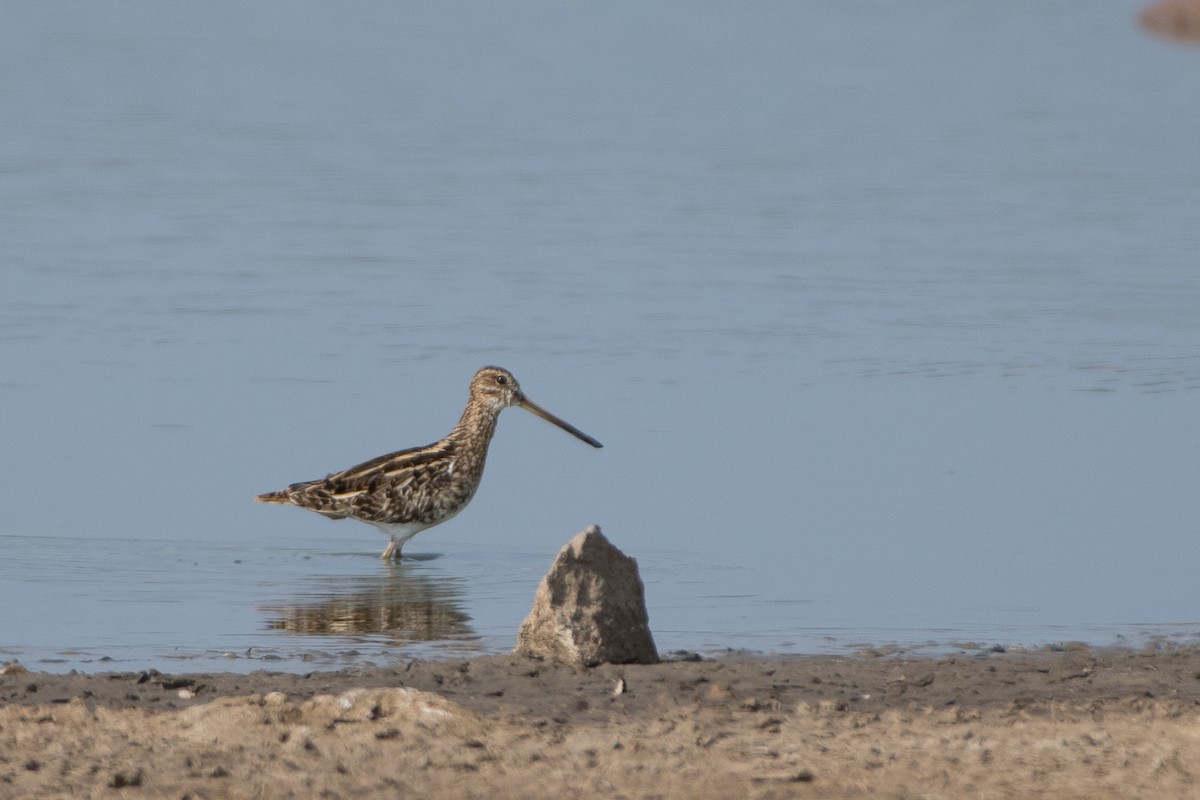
{"points": [[1068, 723]]}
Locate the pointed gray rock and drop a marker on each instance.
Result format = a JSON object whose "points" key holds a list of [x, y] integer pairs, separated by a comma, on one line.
{"points": [[590, 608]]}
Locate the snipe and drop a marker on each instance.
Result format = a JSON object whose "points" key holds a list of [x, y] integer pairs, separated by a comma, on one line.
{"points": [[405, 492]]}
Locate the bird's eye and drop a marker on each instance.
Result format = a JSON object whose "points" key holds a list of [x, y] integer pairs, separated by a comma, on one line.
{"points": [[501, 379]]}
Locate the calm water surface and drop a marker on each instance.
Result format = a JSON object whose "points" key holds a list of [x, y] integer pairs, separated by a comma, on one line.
{"points": [[888, 318]]}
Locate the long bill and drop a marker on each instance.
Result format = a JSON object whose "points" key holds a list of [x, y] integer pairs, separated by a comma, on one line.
{"points": [[534, 408]]}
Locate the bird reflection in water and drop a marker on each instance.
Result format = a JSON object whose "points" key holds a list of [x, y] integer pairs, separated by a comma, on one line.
{"points": [[402, 604]]}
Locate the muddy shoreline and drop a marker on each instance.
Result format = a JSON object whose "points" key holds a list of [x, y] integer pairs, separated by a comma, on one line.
{"points": [[1065, 722]]}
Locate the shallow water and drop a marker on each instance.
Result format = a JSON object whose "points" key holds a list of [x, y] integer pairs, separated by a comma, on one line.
{"points": [[889, 320]]}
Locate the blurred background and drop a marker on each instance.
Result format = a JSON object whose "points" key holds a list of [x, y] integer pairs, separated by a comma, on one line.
{"points": [[888, 317]]}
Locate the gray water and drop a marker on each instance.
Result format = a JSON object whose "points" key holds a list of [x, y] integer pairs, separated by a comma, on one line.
{"points": [[888, 316]]}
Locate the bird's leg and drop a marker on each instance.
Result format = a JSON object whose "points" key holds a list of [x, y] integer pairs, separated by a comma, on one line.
{"points": [[392, 552]]}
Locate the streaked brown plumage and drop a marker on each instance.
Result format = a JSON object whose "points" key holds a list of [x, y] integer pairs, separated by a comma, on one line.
{"points": [[405, 492]]}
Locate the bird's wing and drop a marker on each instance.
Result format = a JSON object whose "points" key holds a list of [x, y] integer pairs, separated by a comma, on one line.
{"points": [[401, 472]]}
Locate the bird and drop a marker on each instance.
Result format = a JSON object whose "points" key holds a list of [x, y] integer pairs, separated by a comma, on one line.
{"points": [[408, 491]]}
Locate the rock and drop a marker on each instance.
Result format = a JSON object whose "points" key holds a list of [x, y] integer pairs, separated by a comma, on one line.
{"points": [[1175, 19], [590, 608], [126, 777]]}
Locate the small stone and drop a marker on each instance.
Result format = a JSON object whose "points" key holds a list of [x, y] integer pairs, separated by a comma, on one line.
{"points": [[126, 777], [590, 608]]}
